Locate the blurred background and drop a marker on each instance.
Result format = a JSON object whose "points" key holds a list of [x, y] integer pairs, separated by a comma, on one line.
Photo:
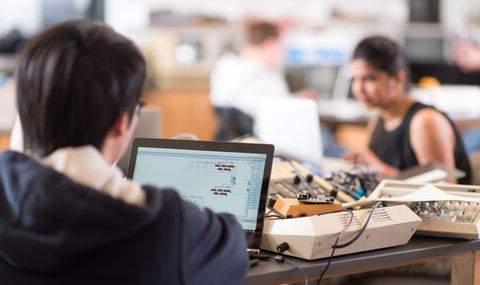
{"points": [[182, 40]]}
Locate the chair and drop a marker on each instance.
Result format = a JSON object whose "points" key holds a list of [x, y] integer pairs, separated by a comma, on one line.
{"points": [[233, 123]]}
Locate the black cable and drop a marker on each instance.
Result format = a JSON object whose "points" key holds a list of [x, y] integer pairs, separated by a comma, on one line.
{"points": [[274, 216], [281, 259], [274, 213], [305, 278], [361, 231], [334, 247]]}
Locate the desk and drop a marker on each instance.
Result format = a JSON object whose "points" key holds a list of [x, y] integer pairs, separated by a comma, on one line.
{"points": [[465, 262]]}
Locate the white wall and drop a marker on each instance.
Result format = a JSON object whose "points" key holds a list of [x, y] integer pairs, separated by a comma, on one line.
{"points": [[458, 13], [236, 9], [123, 14], [22, 14], [126, 15]]}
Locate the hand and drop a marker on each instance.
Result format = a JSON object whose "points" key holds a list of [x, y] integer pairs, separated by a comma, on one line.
{"points": [[366, 157], [467, 56], [307, 94], [370, 159]]}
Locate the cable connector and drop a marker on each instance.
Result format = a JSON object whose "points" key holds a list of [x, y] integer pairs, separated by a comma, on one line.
{"points": [[279, 258], [284, 246]]}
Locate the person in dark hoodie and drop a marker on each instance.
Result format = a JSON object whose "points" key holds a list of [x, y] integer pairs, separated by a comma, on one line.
{"points": [[67, 216]]}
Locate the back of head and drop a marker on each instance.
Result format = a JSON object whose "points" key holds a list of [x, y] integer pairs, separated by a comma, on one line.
{"points": [[382, 53], [258, 32], [74, 81]]}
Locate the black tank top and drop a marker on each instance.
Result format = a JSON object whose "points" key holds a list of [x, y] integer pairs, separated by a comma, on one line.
{"points": [[394, 148]]}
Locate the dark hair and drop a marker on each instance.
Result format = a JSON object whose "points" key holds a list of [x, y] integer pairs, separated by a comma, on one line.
{"points": [[259, 32], [383, 53], [74, 81]]}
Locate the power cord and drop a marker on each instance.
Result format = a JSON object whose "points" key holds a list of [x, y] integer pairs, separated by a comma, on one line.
{"points": [[305, 278], [281, 259], [350, 242], [273, 213], [361, 231], [334, 247]]}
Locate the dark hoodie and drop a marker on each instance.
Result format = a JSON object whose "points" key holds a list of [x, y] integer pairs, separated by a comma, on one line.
{"points": [[56, 231]]}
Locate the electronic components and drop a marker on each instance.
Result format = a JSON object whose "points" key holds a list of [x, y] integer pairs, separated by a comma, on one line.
{"points": [[450, 211], [356, 183], [308, 198], [447, 211], [290, 179], [291, 187]]}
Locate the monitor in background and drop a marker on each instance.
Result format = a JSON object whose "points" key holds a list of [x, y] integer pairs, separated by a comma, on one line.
{"points": [[293, 126], [225, 177]]}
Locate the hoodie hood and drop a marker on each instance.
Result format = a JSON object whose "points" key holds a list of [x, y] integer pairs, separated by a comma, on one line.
{"points": [[85, 165], [48, 221]]}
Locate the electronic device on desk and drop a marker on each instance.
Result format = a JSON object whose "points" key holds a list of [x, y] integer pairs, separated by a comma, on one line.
{"points": [[340, 233], [225, 177], [304, 206], [447, 210], [290, 178], [358, 182], [309, 198]]}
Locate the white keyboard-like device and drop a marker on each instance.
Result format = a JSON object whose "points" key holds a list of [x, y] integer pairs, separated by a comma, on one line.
{"points": [[457, 218]]}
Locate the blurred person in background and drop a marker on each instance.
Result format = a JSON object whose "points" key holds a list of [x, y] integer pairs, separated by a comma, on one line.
{"points": [[466, 56], [406, 133], [238, 81]]}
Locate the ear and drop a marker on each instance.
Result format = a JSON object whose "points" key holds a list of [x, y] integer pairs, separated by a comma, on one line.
{"points": [[117, 138], [271, 42], [401, 78], [121, 126]]}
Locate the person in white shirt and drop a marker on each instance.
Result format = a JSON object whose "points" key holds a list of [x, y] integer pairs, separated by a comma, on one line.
{"points": [[238, 80], [241, 82]]}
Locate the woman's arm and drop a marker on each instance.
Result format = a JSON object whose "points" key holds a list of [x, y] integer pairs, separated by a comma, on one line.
{"points": [[432, 138]]}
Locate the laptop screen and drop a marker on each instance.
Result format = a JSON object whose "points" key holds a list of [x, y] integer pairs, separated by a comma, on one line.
{"points": [[225, 177], [293, 126], [222, 181]]}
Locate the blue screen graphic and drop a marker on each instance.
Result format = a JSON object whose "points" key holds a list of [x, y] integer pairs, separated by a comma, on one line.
{"points": [[228, 182]]}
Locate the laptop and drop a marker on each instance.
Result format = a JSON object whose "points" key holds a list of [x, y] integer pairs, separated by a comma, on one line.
{"points": [[225, 177], [293, 126]]}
